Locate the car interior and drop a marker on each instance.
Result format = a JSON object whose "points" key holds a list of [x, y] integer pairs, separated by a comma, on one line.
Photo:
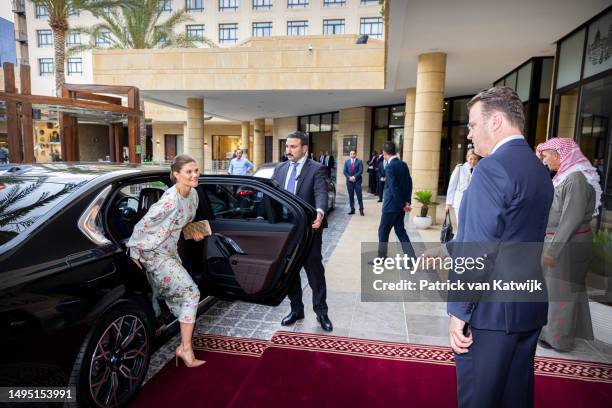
{"points": [[251, 233]]}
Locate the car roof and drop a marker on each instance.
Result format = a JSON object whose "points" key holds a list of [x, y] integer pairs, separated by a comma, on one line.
{"points": [[71, 172]]}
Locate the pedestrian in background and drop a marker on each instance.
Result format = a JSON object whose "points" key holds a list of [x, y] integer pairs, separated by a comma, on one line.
{"points": [[353, 170], [459, 182], [568, 243], [239, 166]]}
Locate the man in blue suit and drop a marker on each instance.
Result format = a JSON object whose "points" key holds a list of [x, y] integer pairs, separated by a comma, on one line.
{"points": [[507, 203], [397, 202], [353, 170]]}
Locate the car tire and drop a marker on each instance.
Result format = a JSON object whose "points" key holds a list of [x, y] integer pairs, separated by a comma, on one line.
{"points": [[114, 358]]}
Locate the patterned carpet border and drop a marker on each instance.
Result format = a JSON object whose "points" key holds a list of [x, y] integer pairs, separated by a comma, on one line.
{"points": [[230, 345], [551, 367]]}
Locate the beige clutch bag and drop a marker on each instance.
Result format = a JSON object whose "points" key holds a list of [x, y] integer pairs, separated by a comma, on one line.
{"points": [[196, 226]]}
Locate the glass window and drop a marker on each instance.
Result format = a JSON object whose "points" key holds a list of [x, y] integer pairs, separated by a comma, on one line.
{"points": [[334, 3], [25, 199], [41, 11], [262, 29], [103, 38], [195, 32], [297, 27], [370, 2], [331, 27], [297, 3], [326, 122], [397, 115], [304, 124], [75, 66], [228, 33], [195, 5], [511, 80], [262, 4], [380, 137], [243, 203], [460, 110], [315, 122], [546, 79], [599, 46], [570, 57], [523, 84], [381, 117], [45, 66], [446, 111], [44, 38], [73, 38], [164, 5], [568, 107], [228, 5], [372, 26]]}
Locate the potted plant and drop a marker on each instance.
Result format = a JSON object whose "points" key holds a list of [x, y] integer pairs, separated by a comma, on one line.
{"points": [[424, 198]]}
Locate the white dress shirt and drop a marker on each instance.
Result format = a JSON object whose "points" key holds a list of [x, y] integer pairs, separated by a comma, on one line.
{"points": [[504, 141], [297, 176]]}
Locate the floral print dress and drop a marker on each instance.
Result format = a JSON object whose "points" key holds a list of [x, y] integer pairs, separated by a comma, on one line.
{"points": [[154, 244]]}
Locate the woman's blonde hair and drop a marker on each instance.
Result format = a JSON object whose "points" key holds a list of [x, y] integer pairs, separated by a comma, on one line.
{"points": [[470, 152], [178, 163]]}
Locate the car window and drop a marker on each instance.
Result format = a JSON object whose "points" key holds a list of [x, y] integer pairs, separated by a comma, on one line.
{"points": [[236, 202], [265, 172], [25, 199], [128, 207]]}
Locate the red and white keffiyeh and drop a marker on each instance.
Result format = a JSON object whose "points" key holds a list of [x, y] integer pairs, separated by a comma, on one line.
{"points": [[572, 160]]}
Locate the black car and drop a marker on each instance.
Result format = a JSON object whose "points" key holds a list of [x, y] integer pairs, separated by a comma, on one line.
{"points": [[75, 310], [266, 170]]}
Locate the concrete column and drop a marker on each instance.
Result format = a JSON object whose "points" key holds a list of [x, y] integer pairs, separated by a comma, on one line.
{"points": [[429, 102], [259, 142], [244, 144], [409, 126], [193, 140]]}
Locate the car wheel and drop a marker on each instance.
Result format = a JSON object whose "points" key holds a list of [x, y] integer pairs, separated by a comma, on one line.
{"points": [[114, 358]]}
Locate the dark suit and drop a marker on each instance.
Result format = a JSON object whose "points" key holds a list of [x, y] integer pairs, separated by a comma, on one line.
{"points": [[504, 204], [372, 183], [354, 186], [398, 192], [331, 163], [312, 188], [380, 172]]}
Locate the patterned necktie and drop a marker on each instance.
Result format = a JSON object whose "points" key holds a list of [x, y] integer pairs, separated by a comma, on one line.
{"points": [[292, 176]]}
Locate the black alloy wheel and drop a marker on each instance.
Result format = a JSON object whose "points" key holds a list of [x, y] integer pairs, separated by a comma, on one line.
{"points": [[116, 359]]}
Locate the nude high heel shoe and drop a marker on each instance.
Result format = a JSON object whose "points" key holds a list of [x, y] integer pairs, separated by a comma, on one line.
{"points": [[188, 358]]}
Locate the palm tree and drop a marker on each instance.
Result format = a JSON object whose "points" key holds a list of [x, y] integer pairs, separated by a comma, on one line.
{"points": [[139, 27], [58, 21]]}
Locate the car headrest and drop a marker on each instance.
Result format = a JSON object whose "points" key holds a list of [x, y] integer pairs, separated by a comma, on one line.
{"points": [[148, 196]]}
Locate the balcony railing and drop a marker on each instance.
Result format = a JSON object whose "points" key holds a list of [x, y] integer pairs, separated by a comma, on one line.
{"points": [[21, 36], [19, 6]]}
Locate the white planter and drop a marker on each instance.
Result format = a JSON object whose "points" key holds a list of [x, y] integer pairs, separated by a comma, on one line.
{"points": [[422, 222], [601, 315]]}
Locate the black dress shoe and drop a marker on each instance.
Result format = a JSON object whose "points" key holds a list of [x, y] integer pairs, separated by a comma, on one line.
{"points": [[326, 324], [351, 212], [361, 212], [292, 318], [379, 201]]}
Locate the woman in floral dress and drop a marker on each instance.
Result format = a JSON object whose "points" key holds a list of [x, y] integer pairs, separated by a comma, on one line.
{"points": [[153, 245]]}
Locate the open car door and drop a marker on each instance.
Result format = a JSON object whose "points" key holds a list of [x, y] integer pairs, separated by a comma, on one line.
{"points": [[260, 237]]}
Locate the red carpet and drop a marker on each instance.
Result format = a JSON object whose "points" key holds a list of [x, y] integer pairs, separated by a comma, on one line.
{"points": [[301, 370], [228, 362]]}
